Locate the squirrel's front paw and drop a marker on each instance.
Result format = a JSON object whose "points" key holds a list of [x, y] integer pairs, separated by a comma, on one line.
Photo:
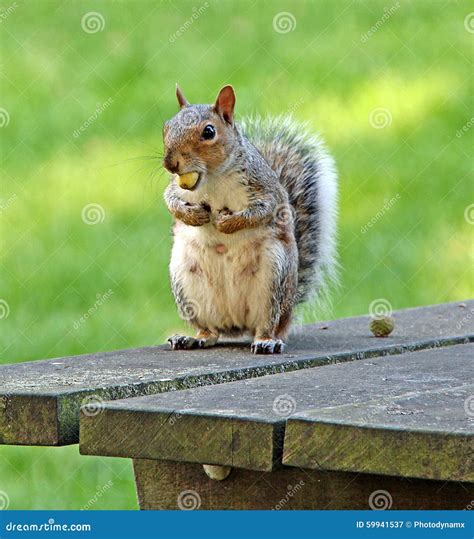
{"points": [[194, 215], [228, 222]]}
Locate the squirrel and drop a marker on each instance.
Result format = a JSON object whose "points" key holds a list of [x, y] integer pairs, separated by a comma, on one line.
{"points": [[255, 228]]}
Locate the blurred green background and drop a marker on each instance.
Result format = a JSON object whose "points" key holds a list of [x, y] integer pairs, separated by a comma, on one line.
{"points": [[83, 97]]}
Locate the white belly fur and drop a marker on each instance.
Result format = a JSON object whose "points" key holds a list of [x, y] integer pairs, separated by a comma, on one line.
{"points": [[230, 289]]}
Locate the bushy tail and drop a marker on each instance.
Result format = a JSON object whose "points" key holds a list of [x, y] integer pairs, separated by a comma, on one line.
{"points": [[308, 173]]}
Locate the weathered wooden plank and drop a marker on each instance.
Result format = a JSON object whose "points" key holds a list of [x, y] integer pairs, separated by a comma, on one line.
{"points": [[242, 424], [65, 383], [382, 449], [20, 422], [177, 485]]}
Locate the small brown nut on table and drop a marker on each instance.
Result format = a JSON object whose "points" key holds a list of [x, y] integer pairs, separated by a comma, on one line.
{"points": [[382, 326]]}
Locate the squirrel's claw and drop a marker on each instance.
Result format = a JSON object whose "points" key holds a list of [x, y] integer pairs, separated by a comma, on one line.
{"points": [[268, 346], [182, 342]]}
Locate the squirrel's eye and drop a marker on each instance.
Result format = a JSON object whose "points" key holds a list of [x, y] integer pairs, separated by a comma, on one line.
{"points": [[209, 132]]}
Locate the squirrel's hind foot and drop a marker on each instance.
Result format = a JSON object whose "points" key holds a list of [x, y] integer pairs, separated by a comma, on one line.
{"points": [[267, 346]]}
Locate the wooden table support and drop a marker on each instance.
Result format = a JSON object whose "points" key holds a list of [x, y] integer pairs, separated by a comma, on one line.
{"points": [[180, 485]]}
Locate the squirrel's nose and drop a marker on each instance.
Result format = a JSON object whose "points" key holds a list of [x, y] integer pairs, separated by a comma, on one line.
{"points": [[171, 163]]}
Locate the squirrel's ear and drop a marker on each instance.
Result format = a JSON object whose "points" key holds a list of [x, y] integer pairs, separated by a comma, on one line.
{"points": [[182, 101], [225, 103]]}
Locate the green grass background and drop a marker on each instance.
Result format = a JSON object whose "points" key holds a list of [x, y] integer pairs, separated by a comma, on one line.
{"points": [[417, 65]]}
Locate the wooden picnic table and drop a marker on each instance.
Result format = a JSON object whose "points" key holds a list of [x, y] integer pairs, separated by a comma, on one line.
{"points": [[399, 423], [342, 420]]}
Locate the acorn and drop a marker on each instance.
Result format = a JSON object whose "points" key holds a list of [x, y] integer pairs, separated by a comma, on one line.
{"points": [[382, 326], [188, 180]]}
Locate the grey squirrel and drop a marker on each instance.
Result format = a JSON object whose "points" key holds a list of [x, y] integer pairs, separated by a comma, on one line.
{"points": [[255, 222]]}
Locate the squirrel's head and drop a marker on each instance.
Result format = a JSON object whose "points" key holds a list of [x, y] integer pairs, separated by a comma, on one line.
{"points": [[200, 138]]}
